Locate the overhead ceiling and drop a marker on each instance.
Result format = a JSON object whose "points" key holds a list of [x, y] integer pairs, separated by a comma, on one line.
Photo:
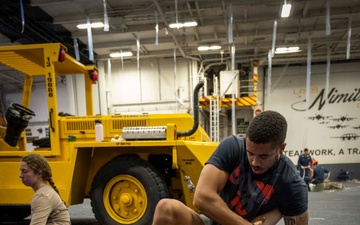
{"points": [[133, 21]]}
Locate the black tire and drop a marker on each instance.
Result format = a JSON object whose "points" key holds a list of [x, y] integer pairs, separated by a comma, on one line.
{"points": [[126, 191], [14, 213]]}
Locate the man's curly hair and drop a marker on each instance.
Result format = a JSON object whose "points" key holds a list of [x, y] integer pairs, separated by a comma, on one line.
{"points": [[268, 126]]}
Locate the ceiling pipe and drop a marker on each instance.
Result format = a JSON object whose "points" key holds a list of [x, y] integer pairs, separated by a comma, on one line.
{"points": [[19, 83], [158, 7]]}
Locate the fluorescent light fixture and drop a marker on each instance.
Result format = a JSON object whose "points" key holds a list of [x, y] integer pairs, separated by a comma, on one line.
{"points": [[203, 48], [92, 25], [207, 48], [285, 12], [283, 50], [190, 24], [180, 25], [176, 25], [215, 47], [121, 54]]}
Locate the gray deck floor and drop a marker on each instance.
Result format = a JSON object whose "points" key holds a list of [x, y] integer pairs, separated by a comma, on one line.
{"points": [[334, 207]]}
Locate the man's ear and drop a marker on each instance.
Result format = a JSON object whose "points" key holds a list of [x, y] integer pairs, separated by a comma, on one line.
{"points": [[282, 148]]}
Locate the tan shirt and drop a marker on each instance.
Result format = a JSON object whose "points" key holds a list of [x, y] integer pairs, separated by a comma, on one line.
{"points": [[47, 208]]}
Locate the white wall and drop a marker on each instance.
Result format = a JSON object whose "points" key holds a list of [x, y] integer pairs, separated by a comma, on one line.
{"points": [[321, 135], [157, 87]]}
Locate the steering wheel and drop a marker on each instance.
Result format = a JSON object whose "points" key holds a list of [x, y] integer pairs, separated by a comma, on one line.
{"points": [[23, 110]]}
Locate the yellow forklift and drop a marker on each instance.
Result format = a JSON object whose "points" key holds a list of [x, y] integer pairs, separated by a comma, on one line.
{"points": [[158, 156]]}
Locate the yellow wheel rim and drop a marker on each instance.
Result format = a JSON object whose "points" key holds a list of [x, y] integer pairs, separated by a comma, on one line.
{"points": [[125, 199]]}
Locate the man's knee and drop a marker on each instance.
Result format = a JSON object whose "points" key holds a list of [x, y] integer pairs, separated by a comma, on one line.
{"points": [[169, 206], [166, 211], [165, 205]]}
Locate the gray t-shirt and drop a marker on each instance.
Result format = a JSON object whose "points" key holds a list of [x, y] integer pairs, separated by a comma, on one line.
{"points": [[47, 208], [248, 194]]}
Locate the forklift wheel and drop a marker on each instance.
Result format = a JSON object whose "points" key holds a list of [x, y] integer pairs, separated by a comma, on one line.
{"points": [[126, 191]]}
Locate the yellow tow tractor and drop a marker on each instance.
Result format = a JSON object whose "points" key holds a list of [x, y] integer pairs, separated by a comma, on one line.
{"points": [[160, 156]]}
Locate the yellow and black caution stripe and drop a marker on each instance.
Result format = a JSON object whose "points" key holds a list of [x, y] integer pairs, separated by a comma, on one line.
{"points": [[227, 102], [239, 102]]}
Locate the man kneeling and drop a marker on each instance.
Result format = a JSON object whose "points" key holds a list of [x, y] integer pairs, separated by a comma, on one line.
{"points": [[245, 181], [318, 177]]}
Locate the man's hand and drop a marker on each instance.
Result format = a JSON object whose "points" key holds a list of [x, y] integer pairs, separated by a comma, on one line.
{"points": [[260, 222]]}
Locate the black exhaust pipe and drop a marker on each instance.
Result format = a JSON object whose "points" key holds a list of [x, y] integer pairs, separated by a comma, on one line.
{"points": [[196, 112]]}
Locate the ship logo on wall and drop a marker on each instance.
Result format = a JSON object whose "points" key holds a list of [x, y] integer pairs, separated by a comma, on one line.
{"points": [[348, 137], [344, 118], [338, 126]]}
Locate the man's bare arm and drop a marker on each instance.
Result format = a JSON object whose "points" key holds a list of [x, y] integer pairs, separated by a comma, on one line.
{"points": [[207, 199], [269, 218], [302, 219]]}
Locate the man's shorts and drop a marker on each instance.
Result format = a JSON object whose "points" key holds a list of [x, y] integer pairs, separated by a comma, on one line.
{"points": [[205, 219]]}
